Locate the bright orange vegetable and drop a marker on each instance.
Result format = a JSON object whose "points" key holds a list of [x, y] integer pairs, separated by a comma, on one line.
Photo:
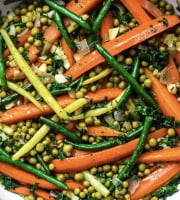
{"points": [[150, 8], [102, 131], [81, 7], [156, 179], [101, 157], [69, 53], [14, 73], [167, 102], [50, 35], [163, 155], [32, 54], [25, 177], [121, 43], [29, 111], [107, 23], [23, 190], [170, 73], [136, 10], [72, 185]]}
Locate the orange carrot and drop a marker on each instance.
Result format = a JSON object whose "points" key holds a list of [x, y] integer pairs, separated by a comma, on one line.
{"points": [[167, 102], [14, 73], [29, 111], [170, 73], [81, 7], [77, 152], [106, 24], [25, 177], [69, 53], [121, 43], [136, 10], [102, 131], [163, 155], [150, 8], [102, 94], [156, 179], [101, 157], [72, 185], [23, 190], [50, 35], [32, 54]]}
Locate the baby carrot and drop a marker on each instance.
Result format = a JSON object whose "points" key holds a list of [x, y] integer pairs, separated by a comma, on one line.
{"points": [[122, 42]]}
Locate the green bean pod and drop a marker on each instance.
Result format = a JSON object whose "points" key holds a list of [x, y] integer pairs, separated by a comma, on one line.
{"points": [[130, 79], [41, 161], [57, 18], [3, 80], [70, 135]]}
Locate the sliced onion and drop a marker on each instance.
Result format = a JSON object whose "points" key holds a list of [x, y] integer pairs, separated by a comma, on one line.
{"points": [[109, 119], [60, 78], [83, 47], [119, 116], [133, 184], [3, 136], [12, 30], [113, 32], [50, 13], [37, 22], [116, 181], [23, 32]]}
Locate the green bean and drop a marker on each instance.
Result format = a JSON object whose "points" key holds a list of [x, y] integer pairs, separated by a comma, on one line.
{"points": [[13, 96], [125, 172], [132, 81], [33, 170], [3, 79], [41, 161], [69, 14], [105, 144], [128, 90], [70, 135], [3, 153], [57, 18], [101, 15], [56, 92], [94, 147]]}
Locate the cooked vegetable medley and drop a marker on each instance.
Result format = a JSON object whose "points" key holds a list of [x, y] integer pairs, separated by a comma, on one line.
{"points": [[90, 99]]}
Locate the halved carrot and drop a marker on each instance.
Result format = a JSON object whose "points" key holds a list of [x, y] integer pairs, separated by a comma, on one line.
{"points": [[24, 190], [72, 185], [29, 111], [170, 72], [122, 42], [14, 73], [150, 8], [103, 94], [107, 23], [163, 155], [167, 102], [102, 131], [101, 157], [25, 177], [69, 53], [32, 54], [81, 7], [50, 35], [156, 179], [136, 10]]}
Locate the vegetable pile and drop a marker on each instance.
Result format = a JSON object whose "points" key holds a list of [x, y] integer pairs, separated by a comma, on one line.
{"points": [[90, 100]]}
